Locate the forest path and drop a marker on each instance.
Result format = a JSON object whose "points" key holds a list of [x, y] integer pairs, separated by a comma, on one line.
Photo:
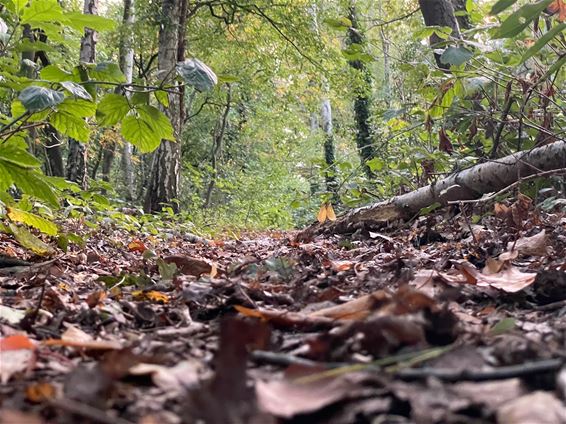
{"points": [[435, 319]]}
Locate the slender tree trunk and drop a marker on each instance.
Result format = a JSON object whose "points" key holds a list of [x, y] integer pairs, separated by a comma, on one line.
{"points": [[166, 163], [53, 152], [329, 149], [362, 101], [217, 146], [386, 60], [439, 13], [127, 67], [77, 159]]}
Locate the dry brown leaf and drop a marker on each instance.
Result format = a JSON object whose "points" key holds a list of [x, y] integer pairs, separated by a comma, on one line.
{"points": [[136, 246], [510, 279], [321, 215], [530, 246], [560, 7], [75, 337], [40, 392], [284, 398], [285, 319], [192, 266], [537, 407]]}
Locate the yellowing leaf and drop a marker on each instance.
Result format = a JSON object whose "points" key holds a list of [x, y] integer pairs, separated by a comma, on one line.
{"points": [[321, 216], [330, 215], [29, 241], [35, 221]]}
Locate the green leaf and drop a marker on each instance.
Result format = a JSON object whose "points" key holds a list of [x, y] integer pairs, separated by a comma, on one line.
{"points": [[76, 90], [77, 107], [339, 24], [140, 134], [503, 326], [79, 21], [167, 271], [500, 6], [111, 109], [542, 41], [32, 182], [70, 125], [33, 220], [140, 97], [18, 156], [519, 20], [157, 120], [162, 97], [55, 74], [554, 68], [456, 56], [29, 241], [35, 98], [40, 11], [227, 79], [107, 72]]}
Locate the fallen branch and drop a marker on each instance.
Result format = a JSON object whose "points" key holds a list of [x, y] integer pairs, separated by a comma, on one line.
{"points": [[471, 183], [501, 373]]}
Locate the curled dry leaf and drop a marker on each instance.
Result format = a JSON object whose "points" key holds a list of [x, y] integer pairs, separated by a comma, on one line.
{"points": [[192, 266], [40, 392], [530, 246], [510, 279], [152, 296]]}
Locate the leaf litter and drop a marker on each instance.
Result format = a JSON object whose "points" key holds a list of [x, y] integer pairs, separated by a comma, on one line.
{"points": [[436, 322]]}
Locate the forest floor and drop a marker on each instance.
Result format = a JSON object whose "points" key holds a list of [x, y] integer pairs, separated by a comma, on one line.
{"points": [[435, 321]]}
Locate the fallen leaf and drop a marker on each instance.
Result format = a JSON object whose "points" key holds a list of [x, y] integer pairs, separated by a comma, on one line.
{"points": [[530, 246], [285, 398], [321, 215], [537, 407], [510, 279], [10, 416], [192, 266], [75, 337], [152, 296], [11, 315], [40, 392], [136, 246], [175, 380], [16, 355]]}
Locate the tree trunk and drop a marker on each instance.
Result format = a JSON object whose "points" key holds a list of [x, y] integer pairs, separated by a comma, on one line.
{"points": [[386, 60], [362, 101], [329, 149], [439, 13], [469, 184], [77, 159], [217, 146], [166, 163], [127, 67]]}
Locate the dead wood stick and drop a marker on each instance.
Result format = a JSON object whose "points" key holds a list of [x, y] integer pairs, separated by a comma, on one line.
{"points": [[87, 411], [285, 359], [501, 373]]}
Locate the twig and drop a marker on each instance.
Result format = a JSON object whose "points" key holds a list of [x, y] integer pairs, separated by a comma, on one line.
{"points": [[552, 306], [284, 359], [501, 373], [559, 171], [87, 411]]}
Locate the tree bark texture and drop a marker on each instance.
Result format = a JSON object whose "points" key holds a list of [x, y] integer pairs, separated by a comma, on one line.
{"points": [[362, 101], [78, 152], [166, 163], [439, 13], [329, 148], [469, 184], [127, 67]]}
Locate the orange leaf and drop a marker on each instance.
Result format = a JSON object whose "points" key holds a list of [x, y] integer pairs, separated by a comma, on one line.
{"points": [[152, 295], [330, 212], [16, 342], [321, 216], [560, 7], [39, 392], [137, 246]]}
